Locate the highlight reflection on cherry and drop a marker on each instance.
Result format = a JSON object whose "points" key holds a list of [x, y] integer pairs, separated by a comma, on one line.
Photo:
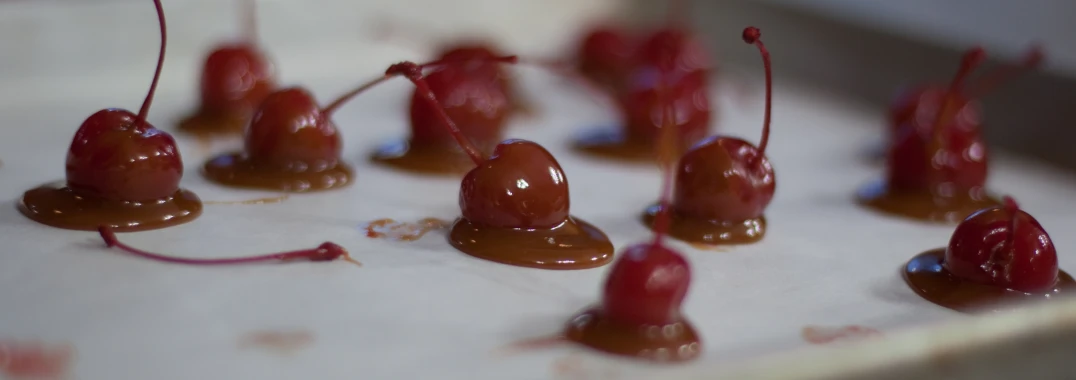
{"points": [[236, 77], [515, 203], [122, 173], [723, 184], [997, 254]]}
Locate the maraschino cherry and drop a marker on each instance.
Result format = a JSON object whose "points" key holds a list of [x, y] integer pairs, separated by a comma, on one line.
{"points": [[640, 312], [723, 184], [236, 77], [477, 93], [604, 57], [292, 144], [938, 172], [997, 254], [121, 172], [327, 251], [515, 203]]}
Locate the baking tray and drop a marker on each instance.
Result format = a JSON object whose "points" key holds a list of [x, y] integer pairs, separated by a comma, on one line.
{"points": [[423, 310]]}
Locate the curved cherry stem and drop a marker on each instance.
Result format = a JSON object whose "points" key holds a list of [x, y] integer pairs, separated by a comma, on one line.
{"points": [[972, 58], [993, 79], [250, 20], [327, 251], [1012, 208], [413, 73], [332, 107], [144, 111], [753, 36], [668, 154]]}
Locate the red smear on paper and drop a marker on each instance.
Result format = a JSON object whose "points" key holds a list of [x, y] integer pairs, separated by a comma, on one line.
{"points": [[403, 231], [277, 340], [825, 335], [34, 360]]}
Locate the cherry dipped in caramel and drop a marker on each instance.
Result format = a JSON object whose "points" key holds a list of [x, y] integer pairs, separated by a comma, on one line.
{"points": [[236, 77], [936, 173], [723, 184], [515, 204], [604, 57], [121, 173], [640, 310], [476, 94], [996, 255]]}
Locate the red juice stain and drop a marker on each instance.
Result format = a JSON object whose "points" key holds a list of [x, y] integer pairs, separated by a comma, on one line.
{"points": [[34, 360], [403, 231], [825, 335], [277, 340]]}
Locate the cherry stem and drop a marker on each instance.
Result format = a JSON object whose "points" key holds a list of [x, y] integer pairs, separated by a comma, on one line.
{"points": [[332, 107], [753, 36], [667, 157], [144, 111], [991, 80], [250, 20], [325, 252], [1012, 208], [972, 58], [413, 73]]}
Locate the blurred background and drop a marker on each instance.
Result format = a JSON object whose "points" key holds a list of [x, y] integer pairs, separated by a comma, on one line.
{"points": [[863, 50]]}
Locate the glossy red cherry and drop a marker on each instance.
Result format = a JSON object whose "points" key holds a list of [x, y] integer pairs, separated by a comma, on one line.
{"points": [[289, 128], [116, 155], [521, 185], [676, 52], [1005, 247], [725, 178]]}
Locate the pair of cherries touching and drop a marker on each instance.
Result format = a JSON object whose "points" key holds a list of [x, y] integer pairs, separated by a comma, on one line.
{"points": [[936, 165], [123, 175], [628, 67], [236, 78], [640, 310], [997, 255]]}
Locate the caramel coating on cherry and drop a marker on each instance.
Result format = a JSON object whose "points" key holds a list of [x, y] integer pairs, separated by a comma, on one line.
{"points": [[605, 56], [290, 127], [675, 51], [112, 158], [643, 109], [1006, 247], [520, 186]]}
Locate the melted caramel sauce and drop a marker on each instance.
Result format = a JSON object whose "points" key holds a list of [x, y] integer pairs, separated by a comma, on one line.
{"points": [[612, 144], [255, 201], [402, 231], [924, 205], [929, 278], [423, 159], [709, 232], [673, 342], [239, 171], [205, 123], [574, 244], [58, 206]]}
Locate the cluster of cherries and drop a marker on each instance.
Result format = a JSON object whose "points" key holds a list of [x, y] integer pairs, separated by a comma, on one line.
{"points": [[123, 175]]}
